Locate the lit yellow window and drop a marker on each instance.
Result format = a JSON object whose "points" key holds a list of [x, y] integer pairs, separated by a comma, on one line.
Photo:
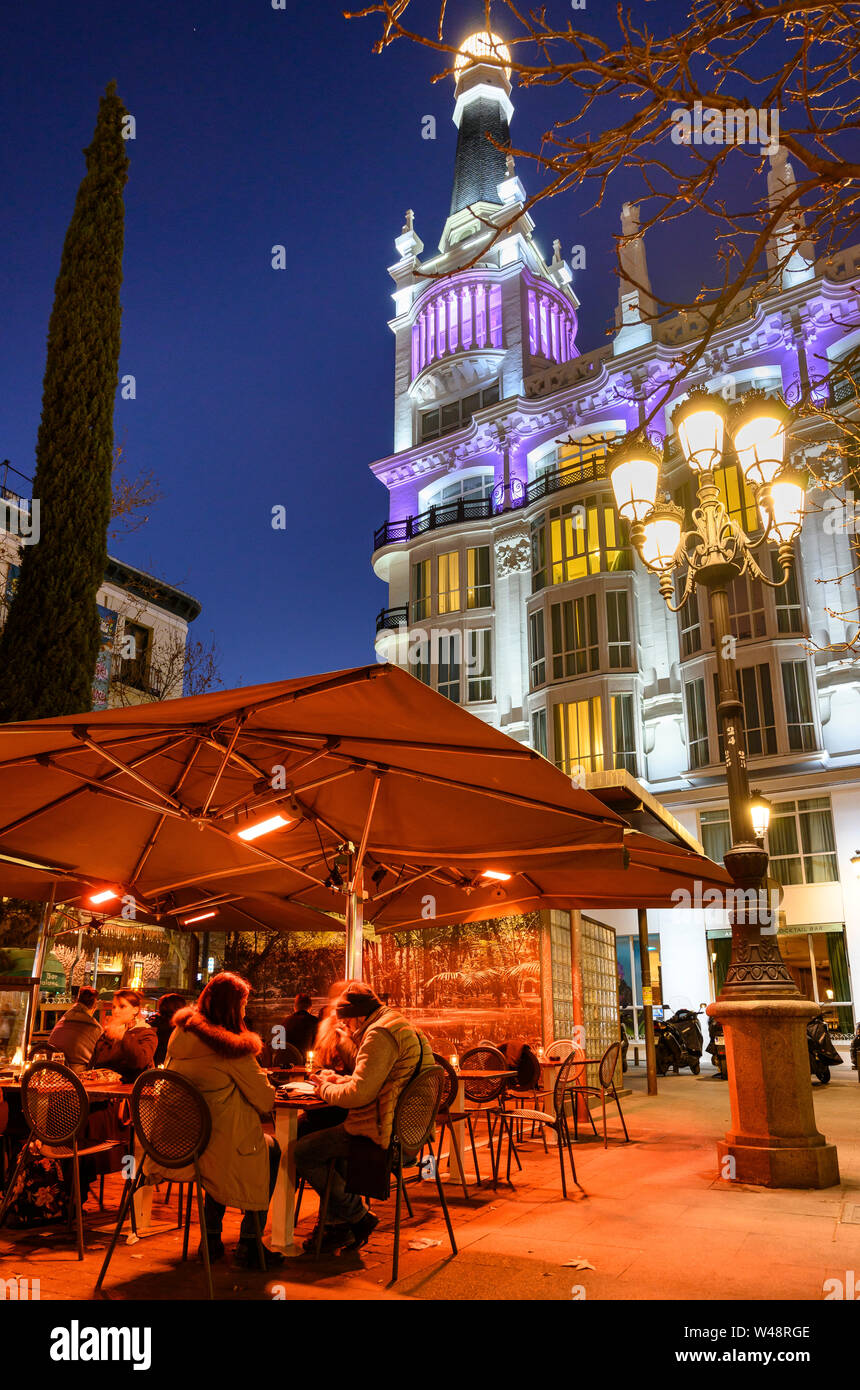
{"points": [[578, 729], [449, 582], [737, 497], [421, 580]]}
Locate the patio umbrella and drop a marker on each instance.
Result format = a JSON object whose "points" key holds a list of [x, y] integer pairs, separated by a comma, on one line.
{"points": [[655, 872], [281, 789]]}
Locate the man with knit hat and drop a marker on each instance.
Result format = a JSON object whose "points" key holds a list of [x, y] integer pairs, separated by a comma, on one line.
{"points": [[390, 1053]]}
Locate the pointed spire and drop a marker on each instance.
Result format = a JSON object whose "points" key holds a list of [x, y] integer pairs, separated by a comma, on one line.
{"points": [[787, 247], [409, 242], [483, 107], [636, 307]]}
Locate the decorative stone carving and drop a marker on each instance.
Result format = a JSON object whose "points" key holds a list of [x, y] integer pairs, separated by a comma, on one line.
{"points": [[513, 553]]}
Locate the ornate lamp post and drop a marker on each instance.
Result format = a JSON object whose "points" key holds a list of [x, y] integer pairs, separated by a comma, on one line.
{"points": [[773, 1140]]}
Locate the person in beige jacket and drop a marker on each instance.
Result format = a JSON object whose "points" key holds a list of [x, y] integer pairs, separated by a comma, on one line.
{"points": [[211, 1046], [390, 1052]]}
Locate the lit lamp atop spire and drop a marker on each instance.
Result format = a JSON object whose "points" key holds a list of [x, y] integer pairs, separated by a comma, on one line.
{"points": [[482, 45]]}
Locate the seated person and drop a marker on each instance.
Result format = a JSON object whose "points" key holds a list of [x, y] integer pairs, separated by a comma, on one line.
{"points": [[213, 1048], [78, 1031], [168, 1005], [300, 1027], [127, 1044], [390, 1053]]}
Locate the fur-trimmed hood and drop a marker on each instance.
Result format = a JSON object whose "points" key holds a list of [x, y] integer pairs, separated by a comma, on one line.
{"points": [[221, 1040]]}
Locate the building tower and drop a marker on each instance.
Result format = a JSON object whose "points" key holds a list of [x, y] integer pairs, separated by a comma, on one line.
{"points": [[513, 588]]}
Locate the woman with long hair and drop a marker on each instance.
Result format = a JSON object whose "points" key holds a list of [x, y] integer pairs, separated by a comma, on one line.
{"points": [[127, 1044], [212, 1046]]}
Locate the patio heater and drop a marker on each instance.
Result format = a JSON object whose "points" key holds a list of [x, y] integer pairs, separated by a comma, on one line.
{"points": [[773, 1140]]}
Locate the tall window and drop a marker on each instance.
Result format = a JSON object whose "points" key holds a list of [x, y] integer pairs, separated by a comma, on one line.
{"points": [[697, 723], [737, 497], [449, 582], [789, 614], [801, 842], [448, 668], [716, 833], [479, 669], [623, 733], [539, 731], [578, 735], [538, 539], [421, 662], [689, 619], [136, 653], [575, 647], [537, 650], [756, 696], [585, 538], [618, 629], [746, 608], [421, 589], [798, 705], [453, 416], [478, 576]]}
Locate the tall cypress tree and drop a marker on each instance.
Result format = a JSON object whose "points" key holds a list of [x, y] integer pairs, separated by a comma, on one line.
{"points": [[50, 643]]}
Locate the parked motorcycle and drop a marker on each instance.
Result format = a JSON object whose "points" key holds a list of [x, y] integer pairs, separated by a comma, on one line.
{"points": [[822, 1053], [717, 1047], [678, 1042]]}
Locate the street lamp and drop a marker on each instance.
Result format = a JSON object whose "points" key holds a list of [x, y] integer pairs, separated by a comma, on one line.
{"points": [[760, 809], [773, 1141]]}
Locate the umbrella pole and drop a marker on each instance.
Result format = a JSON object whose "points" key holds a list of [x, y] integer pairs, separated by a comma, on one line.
{"points": [[354, 927], [645, 970], [40, 955]]}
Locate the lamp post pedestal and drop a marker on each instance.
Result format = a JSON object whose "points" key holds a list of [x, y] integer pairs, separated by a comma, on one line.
{"points": [[773, 1140]]}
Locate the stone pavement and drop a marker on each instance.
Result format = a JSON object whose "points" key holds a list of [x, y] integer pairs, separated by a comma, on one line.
{"points": [[654, 1220]]}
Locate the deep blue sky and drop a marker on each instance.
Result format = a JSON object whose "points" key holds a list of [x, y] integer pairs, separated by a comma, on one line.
{"points": [[254, 387]]}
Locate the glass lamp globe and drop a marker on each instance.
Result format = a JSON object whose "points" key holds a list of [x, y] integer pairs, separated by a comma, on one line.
{"points": [[634, 469], [482, 45], [700, 424], [760, 813], [662, 537], [785, 497], [759, 429]]}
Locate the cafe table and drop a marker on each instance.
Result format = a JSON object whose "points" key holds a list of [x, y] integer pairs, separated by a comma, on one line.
{"points": [[455, 1173], [283, 1204]]}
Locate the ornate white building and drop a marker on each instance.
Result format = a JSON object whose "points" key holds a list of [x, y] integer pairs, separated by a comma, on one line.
{"points": [[512, 586]]}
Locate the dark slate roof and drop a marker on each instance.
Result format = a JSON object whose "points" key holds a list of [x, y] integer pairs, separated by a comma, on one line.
{"points": [[154, 591], [479, 167]]}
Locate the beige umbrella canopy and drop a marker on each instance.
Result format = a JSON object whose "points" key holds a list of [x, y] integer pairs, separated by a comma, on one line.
{"points": [[175, 802]]}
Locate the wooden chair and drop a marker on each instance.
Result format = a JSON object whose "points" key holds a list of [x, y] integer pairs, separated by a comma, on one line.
{"points": [[56, 1108]]}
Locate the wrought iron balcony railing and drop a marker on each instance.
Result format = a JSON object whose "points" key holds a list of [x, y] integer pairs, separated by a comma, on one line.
{"points": [[392, 618]]}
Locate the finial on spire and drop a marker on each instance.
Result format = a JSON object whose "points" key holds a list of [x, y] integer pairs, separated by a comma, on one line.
{"points": [[410, 218], [509, 165], [556, 251]]}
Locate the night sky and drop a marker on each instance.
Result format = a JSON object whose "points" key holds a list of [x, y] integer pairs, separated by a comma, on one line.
{"points": [[255, 387]]}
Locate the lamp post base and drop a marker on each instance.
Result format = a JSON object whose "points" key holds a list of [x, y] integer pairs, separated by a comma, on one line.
{"points": [[773, 1141]]}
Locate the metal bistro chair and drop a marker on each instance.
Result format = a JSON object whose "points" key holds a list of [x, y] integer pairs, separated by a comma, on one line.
{"points": [[606, 1084], [484, 1094], [557, 1123], [56, 1108], [414, 1119], [450, 1086], [558, 1049], [173, 1124]]}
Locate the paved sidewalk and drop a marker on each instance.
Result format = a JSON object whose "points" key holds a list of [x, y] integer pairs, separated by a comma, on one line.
{"points": [[655, 1222]]}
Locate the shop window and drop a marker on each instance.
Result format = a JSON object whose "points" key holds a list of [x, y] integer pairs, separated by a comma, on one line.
{"points": [[575, 647], [578, 735], [818, 964], [801, 842], [630, 983]]}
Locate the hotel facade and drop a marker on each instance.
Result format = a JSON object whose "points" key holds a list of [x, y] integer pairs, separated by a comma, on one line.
{"points": [[512, 585]]}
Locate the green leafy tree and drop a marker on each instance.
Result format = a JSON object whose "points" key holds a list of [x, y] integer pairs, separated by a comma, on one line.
{"points": [[50, 641]]}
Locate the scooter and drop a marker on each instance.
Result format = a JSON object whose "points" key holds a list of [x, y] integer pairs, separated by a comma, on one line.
{"points": [[822, 1053], [717, 1048], [678, 1042]]}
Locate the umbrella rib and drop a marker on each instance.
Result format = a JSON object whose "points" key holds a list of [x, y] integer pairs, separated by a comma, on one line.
{"points": [[495, 793], [303, 763], [79, 747], [413, 745], [130, 771], [150, 844], [228, 752]]}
